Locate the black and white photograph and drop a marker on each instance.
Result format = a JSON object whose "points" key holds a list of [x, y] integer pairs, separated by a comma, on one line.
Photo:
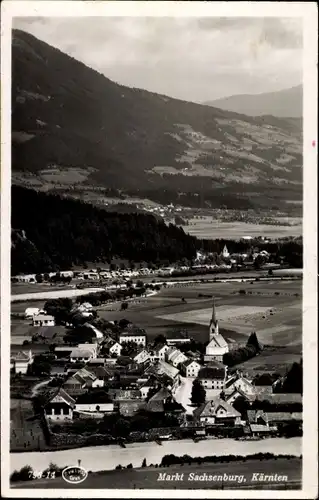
{"points": [[158, 253]]}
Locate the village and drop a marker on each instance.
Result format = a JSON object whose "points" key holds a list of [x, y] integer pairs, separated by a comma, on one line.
{"points": [[108, 382]]}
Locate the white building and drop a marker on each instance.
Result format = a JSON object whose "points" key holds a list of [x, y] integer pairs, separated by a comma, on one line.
{"points": [[213, 376], [43, 320], [217, 346], [92, 347], [60, 407], [32, 311], [175, 357], [190, 368], [81, 354], [138, 338], [159, 352], [95, 407], [67, 274], [141, 357], [116, 348], [225, 252], [20, 362]]}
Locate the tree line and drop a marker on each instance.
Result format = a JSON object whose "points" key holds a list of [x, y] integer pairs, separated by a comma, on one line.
{"points": [[51, 233]]}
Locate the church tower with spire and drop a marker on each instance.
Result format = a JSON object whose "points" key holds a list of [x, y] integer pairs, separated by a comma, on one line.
{"points": [[213, 325]]}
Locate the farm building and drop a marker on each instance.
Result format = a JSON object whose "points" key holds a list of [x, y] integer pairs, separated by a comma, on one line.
{"points": [[20, 362], [60, 406], [43, 320]]}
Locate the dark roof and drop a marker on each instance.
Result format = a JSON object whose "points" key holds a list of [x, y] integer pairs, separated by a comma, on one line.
{"points": [[211, 407], [208, 372], [172, 406], [280, 398], [161, 395], [64, 395], [189, 362], [101, 371], [155, 406], [97, 397]]}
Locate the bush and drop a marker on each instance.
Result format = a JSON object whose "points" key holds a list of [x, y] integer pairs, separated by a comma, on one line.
{"points": [[24, 474], [130, 466], [15, 476], [242, 292]]}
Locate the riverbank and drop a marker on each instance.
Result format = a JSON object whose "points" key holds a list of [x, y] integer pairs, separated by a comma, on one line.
{"points": [[95, 458]]}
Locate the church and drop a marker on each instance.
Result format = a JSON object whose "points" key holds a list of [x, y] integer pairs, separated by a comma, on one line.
{"points": [[217, 345]]}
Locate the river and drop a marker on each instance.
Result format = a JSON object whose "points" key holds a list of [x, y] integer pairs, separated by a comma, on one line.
{"points": [[97, 458]]}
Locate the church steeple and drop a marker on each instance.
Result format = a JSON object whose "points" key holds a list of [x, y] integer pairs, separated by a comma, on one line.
{"points": [[214, 320], [213, 325]]}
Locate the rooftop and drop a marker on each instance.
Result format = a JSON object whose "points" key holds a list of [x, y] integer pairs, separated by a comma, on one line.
{"points": [[43, 317], [210, 408], [220, 341], [209, 372]]}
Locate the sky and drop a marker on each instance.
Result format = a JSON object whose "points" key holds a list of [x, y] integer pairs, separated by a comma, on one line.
{"points": [[195, 59]]}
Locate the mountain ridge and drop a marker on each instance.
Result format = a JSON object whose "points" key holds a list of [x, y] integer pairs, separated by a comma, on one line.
{"points": [[73, 125], [284, 103]]}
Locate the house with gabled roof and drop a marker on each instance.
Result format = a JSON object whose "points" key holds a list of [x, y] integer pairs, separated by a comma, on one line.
{"points": [[217, 412], [102, 376], [175, 357], [141, 357], [158, 352], [75, 385], [43, 320], [236, 386], [60, 406], [163, 368], [20, 362], [213, 376], [190, 368]]}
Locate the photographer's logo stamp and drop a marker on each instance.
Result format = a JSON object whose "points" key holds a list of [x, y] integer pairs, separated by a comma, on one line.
{"points": [[74, 474]]}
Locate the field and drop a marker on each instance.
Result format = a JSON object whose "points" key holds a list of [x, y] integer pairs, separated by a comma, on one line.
{"points": [[272, 309], [210, 228], [22, 330], [149, 478], [26, 433]]}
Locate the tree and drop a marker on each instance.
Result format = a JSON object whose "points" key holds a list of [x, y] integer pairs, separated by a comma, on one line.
{"points": [[198, 396], [41, 366], [123, 323], [259, 261], [59, 308], [144, 463], [253, 341], [124, 306], [160, 339], [38, 278]]}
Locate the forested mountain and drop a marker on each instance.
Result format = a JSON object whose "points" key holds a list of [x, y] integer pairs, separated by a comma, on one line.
{"points": [[73, 126], [283, 103], [50, 233]]}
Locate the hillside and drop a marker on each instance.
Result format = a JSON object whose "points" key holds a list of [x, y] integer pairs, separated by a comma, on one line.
{"points": [[51, 233], [284, 103], [73, 126]]}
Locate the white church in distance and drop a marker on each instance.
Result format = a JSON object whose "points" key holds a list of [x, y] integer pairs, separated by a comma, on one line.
{"points": [[217, 345]]}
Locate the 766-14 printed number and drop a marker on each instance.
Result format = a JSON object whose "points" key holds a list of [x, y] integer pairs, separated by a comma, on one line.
{"points": [[50, 474]]}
